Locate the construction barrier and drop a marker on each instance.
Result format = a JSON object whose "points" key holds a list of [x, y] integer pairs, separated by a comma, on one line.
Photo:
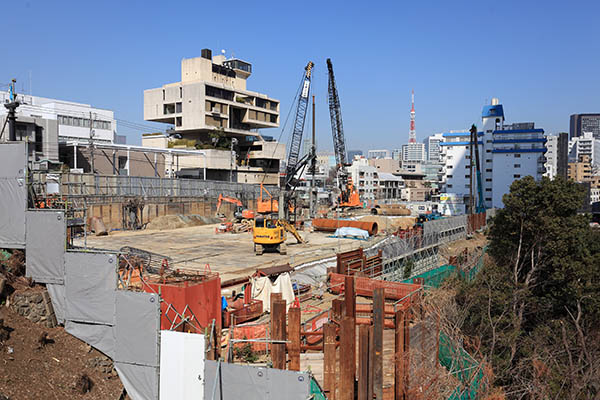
{"points": [[365, 286]]}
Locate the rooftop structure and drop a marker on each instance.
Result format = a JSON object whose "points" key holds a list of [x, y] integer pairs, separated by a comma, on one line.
{"points": [[210, 108]]}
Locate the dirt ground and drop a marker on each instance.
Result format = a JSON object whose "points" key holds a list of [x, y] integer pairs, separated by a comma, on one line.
{"points": [[455, 248], [29, 370], [229, 254]]}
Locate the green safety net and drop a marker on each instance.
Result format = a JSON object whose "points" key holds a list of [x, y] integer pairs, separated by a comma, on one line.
{"points": [[454, 357], [315, 390]]}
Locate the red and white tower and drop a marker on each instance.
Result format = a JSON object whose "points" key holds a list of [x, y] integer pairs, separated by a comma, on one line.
{"points": [[412, 135]]}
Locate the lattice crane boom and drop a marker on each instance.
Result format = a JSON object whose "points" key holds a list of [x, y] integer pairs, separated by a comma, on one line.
{"points": [[335, 112]]}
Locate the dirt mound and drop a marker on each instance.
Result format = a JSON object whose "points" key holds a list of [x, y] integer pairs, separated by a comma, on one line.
{"points": [[37, 362], [180, 221], [390, 224]]}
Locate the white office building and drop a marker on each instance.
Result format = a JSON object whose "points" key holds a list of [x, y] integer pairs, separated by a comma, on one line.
{"points": [[506, 153], [551, 156], [432, 147], [76, 121], [585, 145], [413, 152], [378, 154]]}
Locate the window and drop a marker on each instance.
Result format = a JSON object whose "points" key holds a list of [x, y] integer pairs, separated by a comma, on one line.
{"points": [[468, 157], [178, 107], [448, 176], [488, 179], [517, 165], [488, 151], [516, 176], [178, 121], [180, 92], [488, 189], [467, 176], [488, 160], [449, 185], [449, 167], [467, 166], [517, 155], [488, 170], [449, 158], [163, 94], [488, 199], [488, 141], [467, 185]]}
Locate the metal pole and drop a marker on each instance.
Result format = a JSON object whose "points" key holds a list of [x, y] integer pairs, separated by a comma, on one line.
{"points": [[313, 164], [294, 333], [347, 367], [278, 318], [329, 359]]}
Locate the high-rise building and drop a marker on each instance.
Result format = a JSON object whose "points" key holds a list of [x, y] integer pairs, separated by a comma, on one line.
{"points": [[432, 147], [580, 170], [413, 152], [580, 123], [211, 107], [506, 152], [562, 153]]}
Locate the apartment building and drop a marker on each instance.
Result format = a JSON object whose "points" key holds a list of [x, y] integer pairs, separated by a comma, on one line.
{"points": [[507, 152], [581, 170], [211, 109], [365, 178], [585, 145], [551, 164]]}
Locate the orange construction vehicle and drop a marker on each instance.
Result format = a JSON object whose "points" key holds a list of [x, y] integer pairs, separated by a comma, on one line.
{"points": [[240, 212], [266, 205]]}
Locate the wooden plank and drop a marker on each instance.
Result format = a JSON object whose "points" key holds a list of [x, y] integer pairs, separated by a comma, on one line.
{"points": [[399, 365], [378, 314], [329, 359], [278, 326], [363, 362], [346, 360], [294, 337]]}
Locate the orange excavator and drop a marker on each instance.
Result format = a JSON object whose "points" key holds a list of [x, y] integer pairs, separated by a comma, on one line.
{"points": [[240, 212]]}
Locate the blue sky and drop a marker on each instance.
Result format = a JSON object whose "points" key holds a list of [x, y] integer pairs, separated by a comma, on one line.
{"points": [[541, 59]]}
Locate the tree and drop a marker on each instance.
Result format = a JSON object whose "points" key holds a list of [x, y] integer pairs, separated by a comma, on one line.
{"points": [[535, 306]]}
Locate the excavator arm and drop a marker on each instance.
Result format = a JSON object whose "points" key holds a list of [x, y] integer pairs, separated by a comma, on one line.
{"points": [[231, 200], [290, 228]]}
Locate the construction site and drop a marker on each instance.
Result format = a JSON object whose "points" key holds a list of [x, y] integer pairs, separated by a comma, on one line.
{"points": [[196, 288]]}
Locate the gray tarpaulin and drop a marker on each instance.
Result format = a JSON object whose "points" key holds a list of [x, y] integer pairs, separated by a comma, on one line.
{"points": [[13, 194], [137, 327], [101, 337], [141, 382], [57, 295], [46, 239], [254, 383], [90, 282], [13, 203]]}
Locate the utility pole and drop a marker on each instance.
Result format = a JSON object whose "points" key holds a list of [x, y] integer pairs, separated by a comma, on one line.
{"points": [[471, 199], [313, 165], [12, 107], [92, 143]]}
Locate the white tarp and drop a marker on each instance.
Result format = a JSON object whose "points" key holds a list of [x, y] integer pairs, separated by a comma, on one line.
{"points": [[263, 287], [181, 365], [348, 231]]}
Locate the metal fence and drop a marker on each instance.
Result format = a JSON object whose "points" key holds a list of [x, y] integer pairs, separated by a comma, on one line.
{"points": [[118, 185]]}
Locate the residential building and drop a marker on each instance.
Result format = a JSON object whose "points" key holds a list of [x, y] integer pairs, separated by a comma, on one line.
{"points": [[506, 153], [551, 156], [325, 162], [585, 145], [397, 154], [432, 147], [378, 154], [581, 170], [211, 109], [580, 123], [365, 178], [413, 152]]}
